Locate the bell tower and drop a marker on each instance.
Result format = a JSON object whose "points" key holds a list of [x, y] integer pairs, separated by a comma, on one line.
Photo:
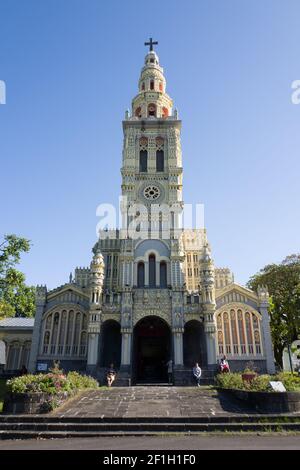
{"points": [[152, 163]]}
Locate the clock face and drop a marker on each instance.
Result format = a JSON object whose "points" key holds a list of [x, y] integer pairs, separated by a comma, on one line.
{"points": [[151, 192]]}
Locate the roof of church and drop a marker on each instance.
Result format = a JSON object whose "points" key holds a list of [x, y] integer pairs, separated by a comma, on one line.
{"points": [[17, 322]]}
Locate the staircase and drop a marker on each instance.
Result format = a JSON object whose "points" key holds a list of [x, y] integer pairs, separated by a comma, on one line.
{"points": [[32, 427]]}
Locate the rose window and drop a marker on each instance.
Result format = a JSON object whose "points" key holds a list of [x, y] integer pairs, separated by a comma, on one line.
{"points": [[151, 192]]}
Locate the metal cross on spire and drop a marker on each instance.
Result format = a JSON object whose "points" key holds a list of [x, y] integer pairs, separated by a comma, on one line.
{"points": [[151, 43]]}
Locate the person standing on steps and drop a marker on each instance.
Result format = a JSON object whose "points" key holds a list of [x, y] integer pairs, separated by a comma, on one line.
{"points": [[170, 370], [197, 373]]}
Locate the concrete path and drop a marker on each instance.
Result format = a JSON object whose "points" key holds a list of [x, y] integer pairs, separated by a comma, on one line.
{"points": [[210, 442]]}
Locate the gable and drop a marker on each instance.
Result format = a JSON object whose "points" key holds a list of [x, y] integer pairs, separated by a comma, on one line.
{"points": [[236, 293], [67, 295]]}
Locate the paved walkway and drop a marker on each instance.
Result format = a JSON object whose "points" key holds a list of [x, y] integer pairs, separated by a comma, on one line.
{"points": [[211, 442], [141, 402]]}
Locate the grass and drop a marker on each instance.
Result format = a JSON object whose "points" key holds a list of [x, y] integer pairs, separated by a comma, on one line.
{"points": [[2, 392]]}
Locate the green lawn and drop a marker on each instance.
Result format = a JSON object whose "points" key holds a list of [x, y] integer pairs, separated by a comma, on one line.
{"points": [[2, 392]]}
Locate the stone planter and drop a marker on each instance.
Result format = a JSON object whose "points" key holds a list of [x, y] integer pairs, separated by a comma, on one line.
{"points": [[269, 402], [248, 376], [32, 403]]}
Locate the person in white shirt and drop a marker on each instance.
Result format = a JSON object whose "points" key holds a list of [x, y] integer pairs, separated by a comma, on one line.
{"points": [[197, 373]]}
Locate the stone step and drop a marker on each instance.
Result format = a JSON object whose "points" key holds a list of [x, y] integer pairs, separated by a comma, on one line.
{"points": [[197, 419], [143, 430]]}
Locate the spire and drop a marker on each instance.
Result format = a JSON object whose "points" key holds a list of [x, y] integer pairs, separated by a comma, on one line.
{"points": [[152, 100]]}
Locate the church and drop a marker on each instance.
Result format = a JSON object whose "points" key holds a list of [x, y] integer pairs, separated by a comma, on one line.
{"points": [[152, 294]]}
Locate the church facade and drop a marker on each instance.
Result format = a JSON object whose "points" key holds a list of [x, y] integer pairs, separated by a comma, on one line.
{"points": [[153, 295]]}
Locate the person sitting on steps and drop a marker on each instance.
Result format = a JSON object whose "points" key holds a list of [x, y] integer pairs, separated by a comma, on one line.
{"points": [[110, 375], [224, 366]]}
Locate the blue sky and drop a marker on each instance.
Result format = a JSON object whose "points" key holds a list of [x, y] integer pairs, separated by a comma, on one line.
{"points": [[71, 68]]}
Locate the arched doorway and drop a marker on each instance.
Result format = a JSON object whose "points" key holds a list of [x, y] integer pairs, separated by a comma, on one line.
{"points": [[152, 350], [194, 348], [110, 344]]}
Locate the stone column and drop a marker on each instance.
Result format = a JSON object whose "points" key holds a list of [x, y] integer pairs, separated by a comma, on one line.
{"points": [[210, 339], [126, 347], [94, 330], [96, 278], [178, 346], [266, 331], [40, 300], [93, 348]]}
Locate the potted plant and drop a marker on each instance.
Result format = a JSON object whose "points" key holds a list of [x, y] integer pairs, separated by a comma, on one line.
{"points": [[249, 372]]}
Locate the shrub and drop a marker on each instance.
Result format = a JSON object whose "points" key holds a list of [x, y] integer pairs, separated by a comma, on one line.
{"points": [[289, 380], [79, 381], [260, 383], [230, 380], [52, 383]]}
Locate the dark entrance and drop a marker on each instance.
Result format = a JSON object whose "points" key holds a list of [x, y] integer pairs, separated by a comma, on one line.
{"points": [[194, 349], [152, 350], [111, 344]]}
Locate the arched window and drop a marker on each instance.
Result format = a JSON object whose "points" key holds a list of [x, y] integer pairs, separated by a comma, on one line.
{"points": [[257, 342], [159, 160], [234, 332], [25, 354], [46, 342], [143, 161], [151, 109], [62, 332], [220, 342], [70, 332], [76, 333], [249, 333], [83, 341], [143, 86], [152, 271], [227, 333], [13, 356], [141, 274], [152, 85], [239, 333], [163, 274], [138, 112], [54, 333], [165, 112]]}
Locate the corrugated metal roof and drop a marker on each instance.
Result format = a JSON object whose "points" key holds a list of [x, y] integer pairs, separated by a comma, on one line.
{"points": [[17, 322]]}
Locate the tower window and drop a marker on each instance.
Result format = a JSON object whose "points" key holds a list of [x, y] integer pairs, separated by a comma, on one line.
{"points": [[151, 110], [152, 269], [152, 85], [159, 160], [138, 112], [141, 275], [143, 86], [165, 112], [143, 161], [163, 274], [160, 87]]}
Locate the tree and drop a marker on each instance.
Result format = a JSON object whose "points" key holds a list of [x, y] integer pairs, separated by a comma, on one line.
{"points": [[16, 298], [283, 282]]}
